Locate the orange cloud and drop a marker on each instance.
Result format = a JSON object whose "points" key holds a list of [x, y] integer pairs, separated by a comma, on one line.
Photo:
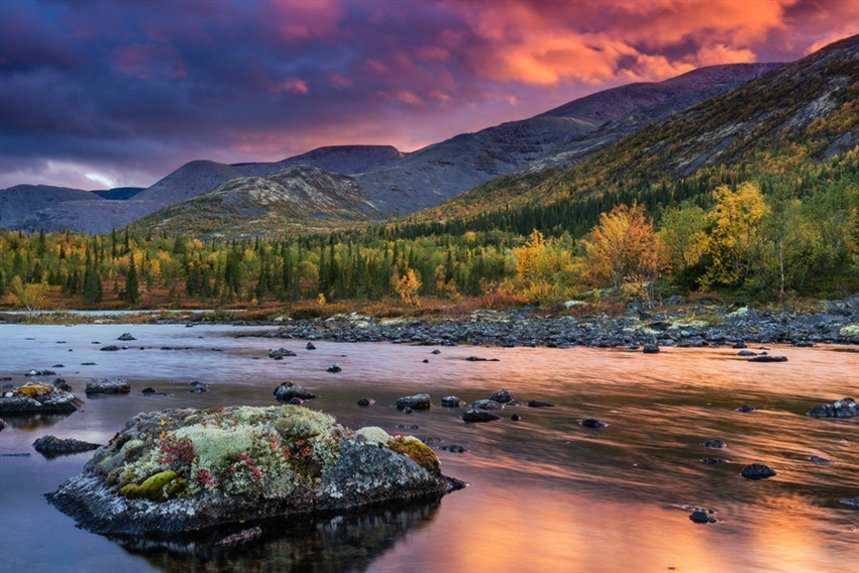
{"points": [[292, 85]]}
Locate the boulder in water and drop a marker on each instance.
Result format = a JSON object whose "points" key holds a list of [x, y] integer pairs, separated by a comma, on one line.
{"points": [[183, 472], [415, 402], [757, 471], [289, 390], [472, 416], [114, 385], [126, 337], [844, 408], [34, 398], [51, 446]]}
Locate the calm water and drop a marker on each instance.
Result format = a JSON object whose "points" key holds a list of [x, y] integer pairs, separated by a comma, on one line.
{"points": [[544, 495]]}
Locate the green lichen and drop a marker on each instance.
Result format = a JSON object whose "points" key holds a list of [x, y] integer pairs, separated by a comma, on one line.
{"points": [[154, 487], [851, 330], [418, 451], [373, 435]]}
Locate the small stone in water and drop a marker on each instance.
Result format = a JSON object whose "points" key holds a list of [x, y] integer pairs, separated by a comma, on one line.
{"points": [[593, 423], [334, 369], [365, 402], [516, 417], [746, 408], [711, 461], [701, 516], [715, 443], [757, 471]]}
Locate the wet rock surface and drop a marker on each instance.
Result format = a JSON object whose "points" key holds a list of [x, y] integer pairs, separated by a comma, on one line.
{"points": [[34, 398], [415, 402], [757, 471], [835, 323], [287, 391], [182, 472], [472, 416], [844, 408], [114, 385], [51, 446]]}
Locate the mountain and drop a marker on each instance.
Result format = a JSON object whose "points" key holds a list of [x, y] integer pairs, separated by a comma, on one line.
{"points": [[798, 115], [119, 193], [200, 176], [395, 182], [21, 201], [560, 136], [299, 197]]}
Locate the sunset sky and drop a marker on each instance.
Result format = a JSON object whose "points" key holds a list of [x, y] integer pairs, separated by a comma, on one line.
{"points": [[102, 93]]}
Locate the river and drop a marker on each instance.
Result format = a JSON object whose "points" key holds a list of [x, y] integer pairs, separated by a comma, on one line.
{"points": [[544, 494]]}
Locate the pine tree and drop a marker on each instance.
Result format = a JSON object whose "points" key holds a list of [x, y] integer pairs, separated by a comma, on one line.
{"points": [[131, 294]]}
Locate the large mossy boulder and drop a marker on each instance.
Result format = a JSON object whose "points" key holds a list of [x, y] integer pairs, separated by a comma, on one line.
{"points": [[36, 398], [186, 471]]}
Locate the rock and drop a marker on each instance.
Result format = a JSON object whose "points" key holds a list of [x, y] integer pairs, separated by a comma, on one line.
{"points": [[425, 361], [702, 516], [108, 386], [454, 449], [366, 402], [407, 410], [540, 404], [715, 444], [844, 408], [2, 424], [310, 346], [593, 423], [243, 537], [436, 351], [333, 369], [650, 348], [746, 408], [818, 460], [182, 472], [109, 348], [61, 384], [373, 435], [33, 398], [289, 390], [280, 353], [479, 359], [148, 391], [767, 358], [478, 416], [516, 417], [711, 461], [502, 396], [126, 337], [747, 353], [58, 366], [739, 344], [757, 471], [50, 446], [87, 363], [451, 402], [33, 373], [295, 401], [485, 404], [415, 402], [803, 344], [198, 387]]}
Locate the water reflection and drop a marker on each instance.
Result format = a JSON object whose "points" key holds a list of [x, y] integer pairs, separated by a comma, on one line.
{"points": [[343, 543]]}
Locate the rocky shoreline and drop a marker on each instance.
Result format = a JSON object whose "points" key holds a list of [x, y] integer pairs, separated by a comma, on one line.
{"points": [[709, 326]]}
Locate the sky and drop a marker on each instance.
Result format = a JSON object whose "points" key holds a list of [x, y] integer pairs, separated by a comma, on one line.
{"points": [[100, 93]]}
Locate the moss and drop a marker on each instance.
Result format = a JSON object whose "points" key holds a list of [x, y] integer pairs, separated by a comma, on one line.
{"points": [[32, 390], [850, 330], [302, 423], [418, 451], [155, 487], [374, 435]]}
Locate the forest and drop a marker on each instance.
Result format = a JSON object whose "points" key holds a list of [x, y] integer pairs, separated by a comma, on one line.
{"points": [[764, 239]]}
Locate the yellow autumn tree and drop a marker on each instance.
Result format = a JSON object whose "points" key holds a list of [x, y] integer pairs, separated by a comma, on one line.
{"points": [[407, 283], [30, 296], [734, 234], [542, 268], [623, 248]]}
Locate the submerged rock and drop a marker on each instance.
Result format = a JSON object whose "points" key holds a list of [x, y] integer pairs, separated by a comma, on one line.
{"points": [[540, 404], [451, 402], [844, 408], [478, 416], [651, 349], [34, 398], [109, 348], [108, 386], [187, 471], [280, 353], [757, 471], [126, 337], [50, 446], [486, 405], [415, 402], [310, 346], [198, 387], [702, 516], [289, 390], [333, 369], [767, 358], [33, 373], [593, 423], [503, 396], [715, 444], [366, 402]]}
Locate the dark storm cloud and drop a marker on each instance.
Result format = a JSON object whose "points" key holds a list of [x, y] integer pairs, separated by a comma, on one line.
{"points": [[127, 91]]}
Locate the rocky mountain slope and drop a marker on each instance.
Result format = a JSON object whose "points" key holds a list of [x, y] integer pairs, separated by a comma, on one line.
{"points": [[297, 197], [557, 137], [399, 183], [807, 111]]}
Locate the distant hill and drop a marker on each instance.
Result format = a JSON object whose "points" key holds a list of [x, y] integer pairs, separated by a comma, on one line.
{"points": [[299, 197], [119, 193], [21, 201], [801, 113]]}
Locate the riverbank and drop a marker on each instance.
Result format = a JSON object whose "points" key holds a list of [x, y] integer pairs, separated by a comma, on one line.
{"points": [[838, 323]]}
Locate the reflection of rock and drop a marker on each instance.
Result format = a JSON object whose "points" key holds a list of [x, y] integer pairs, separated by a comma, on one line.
{"points": [[349, 542], [180, 472]]}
